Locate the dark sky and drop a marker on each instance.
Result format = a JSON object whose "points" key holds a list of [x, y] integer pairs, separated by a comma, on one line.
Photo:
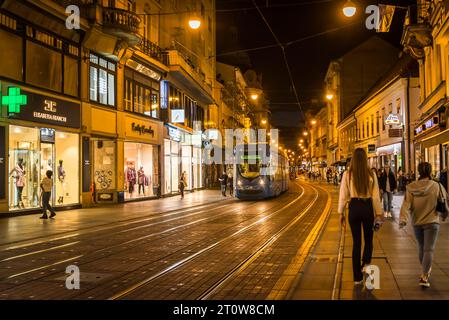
{"points": [[241, 28]]}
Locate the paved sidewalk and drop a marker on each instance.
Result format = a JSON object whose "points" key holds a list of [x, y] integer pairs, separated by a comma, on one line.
{"points": [[22, 228], [395, 253]]}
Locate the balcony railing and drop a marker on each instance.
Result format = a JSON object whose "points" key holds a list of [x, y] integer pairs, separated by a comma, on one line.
{"points": [[151, 49], [122, 19]]}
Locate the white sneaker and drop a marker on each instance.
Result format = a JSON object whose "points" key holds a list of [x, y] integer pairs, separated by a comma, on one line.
{"points": [[390, 215]]}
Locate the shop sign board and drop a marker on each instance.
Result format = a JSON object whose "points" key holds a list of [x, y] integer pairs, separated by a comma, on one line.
{"points": [[175, 134], [371, 148], [144, 70], [177, 115], [395, 133], [142, 129], [24, 105], [2, 162], [393, 119]]}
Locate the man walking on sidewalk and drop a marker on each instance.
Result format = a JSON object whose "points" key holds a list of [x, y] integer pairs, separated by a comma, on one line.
{"points": [[388, 185], [46, 187], [421, 204], [224, 181]]}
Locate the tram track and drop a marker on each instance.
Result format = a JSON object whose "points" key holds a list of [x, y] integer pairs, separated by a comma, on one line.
{"points": [[77, 257], [178, 264], [257, 253], [107, 226]]}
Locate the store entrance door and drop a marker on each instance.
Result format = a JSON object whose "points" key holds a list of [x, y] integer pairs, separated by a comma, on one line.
{"points": [[48, 163]]}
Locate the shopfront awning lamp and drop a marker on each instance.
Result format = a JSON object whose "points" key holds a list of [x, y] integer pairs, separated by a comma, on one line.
{"points": [[14, 100], [349, 9], [194, 23]]}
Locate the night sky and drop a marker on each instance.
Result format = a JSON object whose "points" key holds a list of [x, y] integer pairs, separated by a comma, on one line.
{"points": [[242, 28]]}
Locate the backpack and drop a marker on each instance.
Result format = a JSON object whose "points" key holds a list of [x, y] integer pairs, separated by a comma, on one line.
{"points": [[442, 204]]}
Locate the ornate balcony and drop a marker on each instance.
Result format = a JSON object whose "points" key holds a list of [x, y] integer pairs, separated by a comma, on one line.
{"points": [[417, 33], [123, 24], [151, 49]]}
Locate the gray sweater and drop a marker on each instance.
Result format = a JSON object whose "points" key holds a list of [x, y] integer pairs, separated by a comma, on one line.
{"points": [[421, 201]]}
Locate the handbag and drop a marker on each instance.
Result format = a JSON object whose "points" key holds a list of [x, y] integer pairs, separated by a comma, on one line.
{"points": [[442, 204]]}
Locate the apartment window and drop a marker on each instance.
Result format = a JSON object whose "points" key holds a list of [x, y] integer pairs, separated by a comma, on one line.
{"points": [[363, 131], [372, 125], [398, 105], [367, 127], [377, 122], [383, 119], [102, 80], [141, 94]]}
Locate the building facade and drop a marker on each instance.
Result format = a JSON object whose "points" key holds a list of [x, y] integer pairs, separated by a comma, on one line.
{"points": [[115, 108], [425, 37]]}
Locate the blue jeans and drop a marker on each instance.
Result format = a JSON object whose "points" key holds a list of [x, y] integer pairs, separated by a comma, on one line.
{"points": [[223, 190], [426, 235], [387, 199]]}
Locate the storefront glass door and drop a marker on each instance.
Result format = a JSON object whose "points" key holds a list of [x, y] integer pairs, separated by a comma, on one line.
{"points": [[33, 152]]}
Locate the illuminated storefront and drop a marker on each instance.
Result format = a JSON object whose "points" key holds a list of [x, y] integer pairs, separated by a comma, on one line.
{"points": [[41, 133]]}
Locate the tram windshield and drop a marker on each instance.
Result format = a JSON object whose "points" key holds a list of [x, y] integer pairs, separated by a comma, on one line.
{"points": [[249, 171]]}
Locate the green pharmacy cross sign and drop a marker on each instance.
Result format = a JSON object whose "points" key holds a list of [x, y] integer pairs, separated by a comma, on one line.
{"points": [[14, 100]]}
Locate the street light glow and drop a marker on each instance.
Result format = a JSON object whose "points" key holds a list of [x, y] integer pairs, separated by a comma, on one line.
{"points": [[195, 23], [254, 96], [313, 122], [329, 96], [305, 133], [264, 121], [349, 10]]}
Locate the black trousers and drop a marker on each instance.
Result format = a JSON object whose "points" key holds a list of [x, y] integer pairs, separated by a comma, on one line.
{"points": [[46, 203], [361, 216]]}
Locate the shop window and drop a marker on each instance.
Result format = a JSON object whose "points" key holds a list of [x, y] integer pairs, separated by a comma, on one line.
{"points": [[70, 76], [102, 80], [141, 170], [66, 172], [104, 165], [11, 58], [141, 95], [44, 67], [33, 151]]}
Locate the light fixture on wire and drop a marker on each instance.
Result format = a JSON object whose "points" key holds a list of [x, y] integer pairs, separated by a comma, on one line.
{"points": [[194, 23], [349, 9]]}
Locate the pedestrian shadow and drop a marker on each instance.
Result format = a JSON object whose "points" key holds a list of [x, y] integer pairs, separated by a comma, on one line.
{"points": [[361, 293]]}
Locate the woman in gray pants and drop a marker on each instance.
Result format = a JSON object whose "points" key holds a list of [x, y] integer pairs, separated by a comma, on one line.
{"points": [[420, 204]]}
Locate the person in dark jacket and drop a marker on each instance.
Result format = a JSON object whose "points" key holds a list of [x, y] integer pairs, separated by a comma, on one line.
{"points": [[224, 181], [388, 185]]}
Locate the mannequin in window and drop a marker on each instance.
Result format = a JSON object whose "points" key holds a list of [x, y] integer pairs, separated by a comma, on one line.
{"points": [[35, 182], [61, 180], [19, 175], [142, 180], [131, 177]]}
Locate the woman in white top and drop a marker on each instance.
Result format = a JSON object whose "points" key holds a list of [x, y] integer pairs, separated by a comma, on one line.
{"points": [[359, 188]]}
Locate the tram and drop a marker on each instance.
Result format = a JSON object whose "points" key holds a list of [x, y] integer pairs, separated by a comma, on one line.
{"points": [[260, 172]]}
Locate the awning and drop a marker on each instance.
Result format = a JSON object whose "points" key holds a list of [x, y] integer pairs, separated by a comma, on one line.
{"points": [[440, 138]]}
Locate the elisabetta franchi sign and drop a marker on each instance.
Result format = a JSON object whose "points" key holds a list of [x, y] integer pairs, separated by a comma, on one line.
{"points": [[48, 110]]}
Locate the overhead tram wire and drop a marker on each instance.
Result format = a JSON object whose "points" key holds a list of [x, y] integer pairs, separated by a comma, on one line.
{"points": [[287, 44], [284, 55], [271, 6]]}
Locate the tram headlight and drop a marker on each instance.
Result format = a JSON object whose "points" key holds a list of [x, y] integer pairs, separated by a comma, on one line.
{"points": [[239, 183], [261, 182]]}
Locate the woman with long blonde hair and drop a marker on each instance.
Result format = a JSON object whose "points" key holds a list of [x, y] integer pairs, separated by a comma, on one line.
{"points": [[359, 188]]}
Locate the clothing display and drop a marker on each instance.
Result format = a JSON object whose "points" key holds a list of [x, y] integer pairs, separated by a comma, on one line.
{"points": [[61, 180], [131, 177], [19, 175]]}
